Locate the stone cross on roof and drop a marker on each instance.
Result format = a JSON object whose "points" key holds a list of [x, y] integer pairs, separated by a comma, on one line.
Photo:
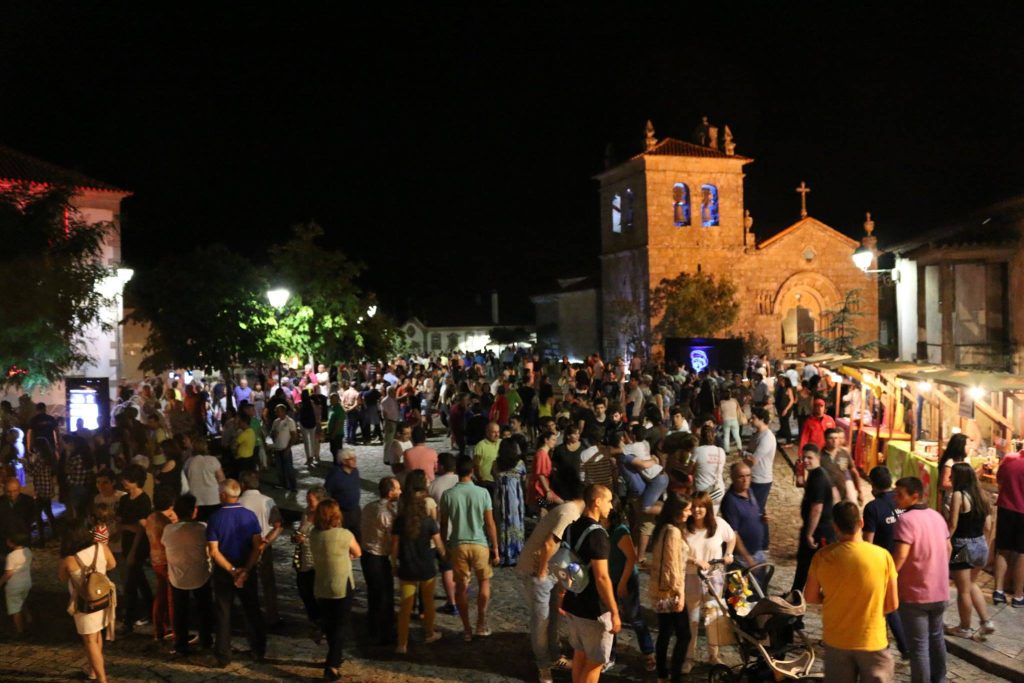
{"points": [[803, 190]]}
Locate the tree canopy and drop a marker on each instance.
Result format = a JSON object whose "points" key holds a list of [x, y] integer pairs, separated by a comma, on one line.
{"points": [[840, 333], [694, 305], [51, 282]]}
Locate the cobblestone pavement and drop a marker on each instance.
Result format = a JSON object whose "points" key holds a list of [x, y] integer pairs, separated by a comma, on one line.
{"points": [[54, 652]]}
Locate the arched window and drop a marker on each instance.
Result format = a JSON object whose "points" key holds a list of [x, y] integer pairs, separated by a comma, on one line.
{"points": [[616, 213], [627, 218], [708, 205], [681, 204]]}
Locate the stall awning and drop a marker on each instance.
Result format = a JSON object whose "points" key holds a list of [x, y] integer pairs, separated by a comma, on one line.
{"points": [[967, 379]]}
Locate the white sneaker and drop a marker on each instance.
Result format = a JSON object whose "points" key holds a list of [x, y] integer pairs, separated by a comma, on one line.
{"points": [[987, 627]]}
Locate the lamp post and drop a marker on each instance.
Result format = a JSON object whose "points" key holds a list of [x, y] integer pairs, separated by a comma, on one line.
{"points": [[278, 298], [864, 255]]}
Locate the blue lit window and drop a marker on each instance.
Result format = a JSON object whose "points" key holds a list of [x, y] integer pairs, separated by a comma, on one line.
{"points": [[681, 204], [627, 217], [708, 205], [616, 213]]}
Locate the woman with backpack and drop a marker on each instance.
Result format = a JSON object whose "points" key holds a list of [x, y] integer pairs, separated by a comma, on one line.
{"points": [[93, 611]]}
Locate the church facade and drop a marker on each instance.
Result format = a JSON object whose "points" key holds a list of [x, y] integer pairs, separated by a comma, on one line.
{"points": [[678, 207]]}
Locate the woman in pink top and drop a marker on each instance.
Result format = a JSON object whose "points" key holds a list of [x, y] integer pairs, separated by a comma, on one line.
{"points": [[539, 494]]}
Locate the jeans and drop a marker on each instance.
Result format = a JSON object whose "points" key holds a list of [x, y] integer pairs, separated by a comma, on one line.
{"points": [[224, 592], [630, 615], [653, 491], [351, 422], [204, 604], [163, 603], [135, 585], [925, 640], [286, 469], [731, 428], [896, 626], [408, 594], [804, 555], [672, 624], [268, 583], [761, 493], [542, 603], [380, 598], [335, 615]]}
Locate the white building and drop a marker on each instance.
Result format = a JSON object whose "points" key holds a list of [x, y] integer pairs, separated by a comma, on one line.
{"points": [[97, 202]]}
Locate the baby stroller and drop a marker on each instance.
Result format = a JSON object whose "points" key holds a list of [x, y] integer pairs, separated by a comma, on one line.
{"points": [[768, 628]]}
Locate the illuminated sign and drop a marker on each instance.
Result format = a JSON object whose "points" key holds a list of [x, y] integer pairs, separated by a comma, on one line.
{"points": [[698, 359]]}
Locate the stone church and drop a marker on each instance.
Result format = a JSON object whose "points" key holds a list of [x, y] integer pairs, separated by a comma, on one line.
{"points": [[678, 206]]}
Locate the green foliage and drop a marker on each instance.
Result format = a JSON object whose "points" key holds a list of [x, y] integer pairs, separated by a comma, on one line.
{"points": [[207, 310], [693, 305], [631, 321], [841, 333], [755, 344], [509, 335], [50, 277]]}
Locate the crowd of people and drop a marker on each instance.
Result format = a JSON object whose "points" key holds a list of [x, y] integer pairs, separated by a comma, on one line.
{"points": [[621, 467]]}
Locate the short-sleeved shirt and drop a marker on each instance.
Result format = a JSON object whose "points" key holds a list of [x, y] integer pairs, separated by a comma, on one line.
{"points": [[853, 576], [763, 456], [421, 458], [707, 548], [630, 452], [596, 546], [541, 468], [245, 443], [188, 563], [484, 454], [1011, 483], [924, 576], [552, 524], [442, 484], [464, 505], [133, 511], [744, 515], [415, 556], [709, 461], [617, 558], [202, 479], [818, 489], [880, 517], [232, 527], [19, 561], [344, 487]]}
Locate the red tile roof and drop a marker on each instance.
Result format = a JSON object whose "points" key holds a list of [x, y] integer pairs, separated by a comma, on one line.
{"points": [[678, 148], [18, 167]]}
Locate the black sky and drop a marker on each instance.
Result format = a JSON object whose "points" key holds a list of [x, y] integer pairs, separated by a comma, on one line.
{"points": [[452, 149]]}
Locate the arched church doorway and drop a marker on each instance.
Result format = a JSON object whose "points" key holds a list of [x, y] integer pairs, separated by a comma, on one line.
{"points": [[801, 305]]}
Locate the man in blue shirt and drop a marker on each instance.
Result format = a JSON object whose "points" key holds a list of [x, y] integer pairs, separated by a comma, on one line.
{"points": [[741, 510], [343, 484], [880, 516], [234, 540]]}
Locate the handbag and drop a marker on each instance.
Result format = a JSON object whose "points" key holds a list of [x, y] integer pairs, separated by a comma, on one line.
{"points": [[94, 590], [666, 600]]}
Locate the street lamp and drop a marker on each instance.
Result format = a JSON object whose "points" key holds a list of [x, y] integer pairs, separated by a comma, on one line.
{"points": [[278, 298], [864, 255]]}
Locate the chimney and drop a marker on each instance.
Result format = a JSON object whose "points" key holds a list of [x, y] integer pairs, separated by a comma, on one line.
{"points": [[494, 307]]}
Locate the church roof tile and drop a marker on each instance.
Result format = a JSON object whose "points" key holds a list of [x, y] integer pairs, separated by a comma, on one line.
{"points": [[679, 148], [19, 167]]}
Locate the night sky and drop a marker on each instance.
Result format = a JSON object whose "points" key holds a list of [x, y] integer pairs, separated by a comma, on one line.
{"points": [[453, 150]]}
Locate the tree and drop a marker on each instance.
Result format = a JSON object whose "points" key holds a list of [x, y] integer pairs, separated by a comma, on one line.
{"points": [[503, 336], [840, 334], [207, 310], [693, 305], [327, 316], [51, 279], [632, 326]]}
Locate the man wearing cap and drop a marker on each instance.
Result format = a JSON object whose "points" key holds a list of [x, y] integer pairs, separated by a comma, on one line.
{"points": [[815, 426]]}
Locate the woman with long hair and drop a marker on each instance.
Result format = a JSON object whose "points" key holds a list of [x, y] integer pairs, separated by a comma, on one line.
{"points": [[414, 532], [955, 451], [509, 505], [970, 519], [705, 536], [708, 465], [302, 560], [333, 548], [79, 550], [540, 495], [667, 587]]}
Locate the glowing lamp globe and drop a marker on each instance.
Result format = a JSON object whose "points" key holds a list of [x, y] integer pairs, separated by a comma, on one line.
{"points": [[862, 257], [278, 297]]}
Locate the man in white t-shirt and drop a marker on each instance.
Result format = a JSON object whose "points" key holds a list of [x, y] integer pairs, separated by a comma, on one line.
{"points": [[269, 516], [188, 571], [539, 586], [284, 432], [204, 476], [761, 460]]}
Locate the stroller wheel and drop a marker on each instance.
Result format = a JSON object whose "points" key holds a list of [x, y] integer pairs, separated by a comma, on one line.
{"points": [[720, 673]]}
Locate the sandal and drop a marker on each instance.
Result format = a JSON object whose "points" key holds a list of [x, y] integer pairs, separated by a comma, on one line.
{"points": [[563, 663], [650, 663]]}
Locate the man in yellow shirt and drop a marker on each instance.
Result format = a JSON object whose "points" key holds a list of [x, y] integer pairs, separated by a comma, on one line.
{"points": [[245, 447], [485, 453], [855, 582]]}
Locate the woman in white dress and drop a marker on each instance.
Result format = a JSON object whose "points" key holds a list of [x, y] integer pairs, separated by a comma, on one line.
{"points": [[706, 535], [78, 543]]}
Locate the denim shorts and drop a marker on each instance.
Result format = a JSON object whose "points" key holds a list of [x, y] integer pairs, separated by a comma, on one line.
{"points": [[974, 552]]}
